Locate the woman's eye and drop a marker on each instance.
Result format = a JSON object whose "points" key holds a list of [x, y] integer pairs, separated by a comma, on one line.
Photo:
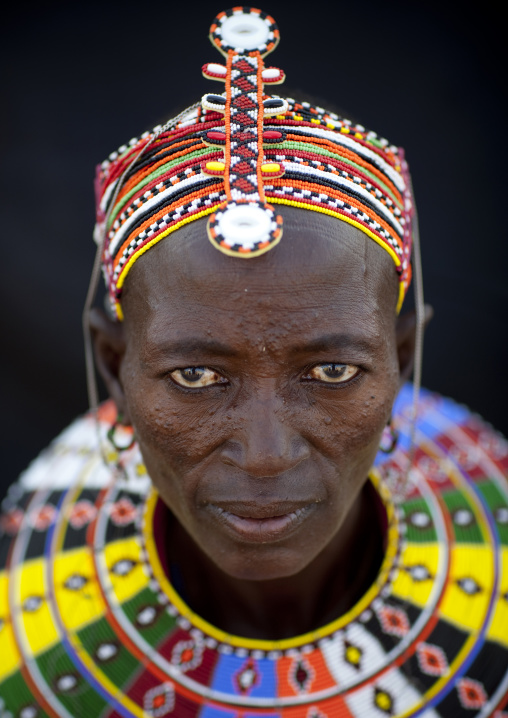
{"points": [[333, 373], [196, 377]]}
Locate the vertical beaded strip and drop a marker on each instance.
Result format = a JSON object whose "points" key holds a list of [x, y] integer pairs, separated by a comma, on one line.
{"points": [[245, 225]]}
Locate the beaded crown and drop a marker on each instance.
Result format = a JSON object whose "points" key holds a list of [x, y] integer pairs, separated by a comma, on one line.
{"points": [[236, 155]]}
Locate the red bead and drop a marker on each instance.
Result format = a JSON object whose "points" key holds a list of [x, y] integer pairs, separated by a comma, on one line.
{"points": [[211, 135], [272, 135]]}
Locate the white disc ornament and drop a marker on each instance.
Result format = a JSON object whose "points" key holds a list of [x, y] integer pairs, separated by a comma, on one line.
{"points": [[245, 229], [244, 30]]}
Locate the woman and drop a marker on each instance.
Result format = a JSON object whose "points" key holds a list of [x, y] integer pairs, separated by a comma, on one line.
{"points": [[222, 546]]}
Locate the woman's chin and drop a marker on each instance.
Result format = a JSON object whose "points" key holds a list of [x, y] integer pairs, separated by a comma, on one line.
{"points": [[267, 563]]}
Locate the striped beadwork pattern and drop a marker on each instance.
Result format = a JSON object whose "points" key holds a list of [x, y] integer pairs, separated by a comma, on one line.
{"points": [[219, 152], [91, 625]]}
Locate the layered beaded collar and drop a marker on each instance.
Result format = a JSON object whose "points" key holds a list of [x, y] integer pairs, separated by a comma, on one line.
{"points": [[91, 618]]}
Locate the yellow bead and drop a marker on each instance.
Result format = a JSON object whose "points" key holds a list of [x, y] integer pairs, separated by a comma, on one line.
{"points": [[270, 167], [353, 655], [330, 126], [215, 166], [383, 701]]}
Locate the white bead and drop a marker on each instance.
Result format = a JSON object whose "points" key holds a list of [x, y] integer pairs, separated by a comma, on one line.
{"points": [[216, 69], [270, 73]]}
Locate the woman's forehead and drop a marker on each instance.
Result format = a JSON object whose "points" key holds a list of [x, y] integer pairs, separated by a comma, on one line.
{"points": [[321, 262]]}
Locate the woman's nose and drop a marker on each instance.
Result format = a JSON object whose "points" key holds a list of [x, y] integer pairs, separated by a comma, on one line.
{"points": [[264, 441]]}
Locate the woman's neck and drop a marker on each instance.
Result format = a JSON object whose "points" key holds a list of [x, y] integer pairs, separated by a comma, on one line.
{"points": [[281, 608]]}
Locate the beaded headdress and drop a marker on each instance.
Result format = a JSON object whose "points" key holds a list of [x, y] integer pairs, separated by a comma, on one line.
{"points": [[236, 155]]}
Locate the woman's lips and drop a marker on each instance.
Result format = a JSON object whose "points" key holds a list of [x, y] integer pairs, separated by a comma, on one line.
{"points": [[261, 529]]}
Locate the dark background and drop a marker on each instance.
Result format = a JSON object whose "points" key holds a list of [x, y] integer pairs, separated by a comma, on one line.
{"points": [[80, 79]]}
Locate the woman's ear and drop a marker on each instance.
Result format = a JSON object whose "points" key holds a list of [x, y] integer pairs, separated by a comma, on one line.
{"points": [[109, 347], [405, 332]]}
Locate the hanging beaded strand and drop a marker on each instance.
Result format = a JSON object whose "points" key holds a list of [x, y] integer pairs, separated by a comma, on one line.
{"points": [[245, 225]]}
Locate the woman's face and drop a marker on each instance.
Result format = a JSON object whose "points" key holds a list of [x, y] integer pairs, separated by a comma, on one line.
{"points": [[258, 389]]}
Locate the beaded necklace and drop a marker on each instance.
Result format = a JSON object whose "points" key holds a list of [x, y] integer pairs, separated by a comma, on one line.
{"points": [[91, 625]]}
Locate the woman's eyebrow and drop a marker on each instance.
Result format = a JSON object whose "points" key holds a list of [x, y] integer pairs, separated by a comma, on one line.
{"points": [[328, 342], [190, 346], [199, 347]]}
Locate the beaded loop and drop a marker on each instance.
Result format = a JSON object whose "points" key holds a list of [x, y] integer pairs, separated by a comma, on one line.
{"points": [[112, 438], [389, 439]]}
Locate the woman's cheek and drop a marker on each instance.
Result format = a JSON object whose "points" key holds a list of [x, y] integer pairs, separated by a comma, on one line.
{"points": [[355, 424], [173, 437]]}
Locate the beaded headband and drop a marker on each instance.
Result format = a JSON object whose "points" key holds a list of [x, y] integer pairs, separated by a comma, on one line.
{"points": [[227, 155]]}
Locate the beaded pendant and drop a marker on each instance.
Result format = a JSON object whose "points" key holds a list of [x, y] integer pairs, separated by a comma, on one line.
{"points": [[245, 225]]}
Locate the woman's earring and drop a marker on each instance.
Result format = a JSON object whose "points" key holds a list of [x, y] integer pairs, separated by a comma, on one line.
{"points": [[126, 431], [389, 438]]}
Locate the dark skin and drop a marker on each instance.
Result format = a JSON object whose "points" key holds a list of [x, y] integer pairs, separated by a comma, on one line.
{"points": [[258, 391]]}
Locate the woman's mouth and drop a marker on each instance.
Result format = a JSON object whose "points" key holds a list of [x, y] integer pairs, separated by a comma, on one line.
{"points": [[263, 525]]}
